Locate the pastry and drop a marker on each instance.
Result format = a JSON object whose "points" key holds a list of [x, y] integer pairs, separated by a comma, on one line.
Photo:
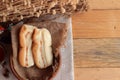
{"points": [[42, 50], [25, 52], [58, 33]]}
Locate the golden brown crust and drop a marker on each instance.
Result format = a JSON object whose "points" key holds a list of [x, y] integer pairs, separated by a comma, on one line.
{"points": [[25, 52], [22, 57], [21, 38]]}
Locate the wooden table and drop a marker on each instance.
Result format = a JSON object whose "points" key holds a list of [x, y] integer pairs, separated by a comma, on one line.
{"points": [[97, 41]]}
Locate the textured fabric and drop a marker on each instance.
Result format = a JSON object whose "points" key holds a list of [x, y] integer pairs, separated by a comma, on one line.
{"points": [[66, 71], [12, 10]]}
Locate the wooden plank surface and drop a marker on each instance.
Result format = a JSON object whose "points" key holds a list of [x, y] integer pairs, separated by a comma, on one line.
{"points": [[97, 73], [101, 22], [97, 24], [97, 53], [104, 4]]}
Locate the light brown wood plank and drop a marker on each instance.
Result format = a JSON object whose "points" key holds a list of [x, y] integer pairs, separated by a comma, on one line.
{"points": [[96, 24], [97, 53], [97, 73], [103, 21], [104, 4]]}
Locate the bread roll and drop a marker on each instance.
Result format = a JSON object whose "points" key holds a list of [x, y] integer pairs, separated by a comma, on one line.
{"points": [[25, 52], [42, 51]]}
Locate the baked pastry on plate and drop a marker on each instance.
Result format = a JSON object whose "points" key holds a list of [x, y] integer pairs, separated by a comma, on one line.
{"points": [[53, 36]]}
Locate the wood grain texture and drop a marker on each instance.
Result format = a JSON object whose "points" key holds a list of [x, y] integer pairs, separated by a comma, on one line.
{"points": [[104, 4], [97, 24], [97, 73], [97, 53], [101, 22]]}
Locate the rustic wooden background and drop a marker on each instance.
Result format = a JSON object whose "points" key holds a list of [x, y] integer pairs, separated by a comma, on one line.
{"points": [[97, 41]]}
